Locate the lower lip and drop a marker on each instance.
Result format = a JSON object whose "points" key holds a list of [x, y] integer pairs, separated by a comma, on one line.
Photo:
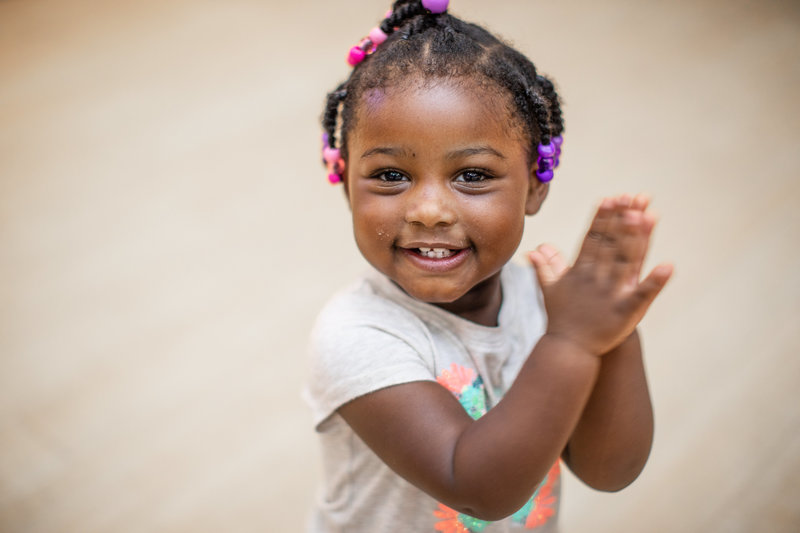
{"points": [[433, 264]]}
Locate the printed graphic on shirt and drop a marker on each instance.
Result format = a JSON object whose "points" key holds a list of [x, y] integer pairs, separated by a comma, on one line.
{"points": [[468, 387]]}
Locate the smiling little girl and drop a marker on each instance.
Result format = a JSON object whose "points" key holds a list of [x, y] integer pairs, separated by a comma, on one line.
{"points": [[448, 383]]}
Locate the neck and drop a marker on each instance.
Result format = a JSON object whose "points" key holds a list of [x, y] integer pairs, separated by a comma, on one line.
{"points": [[481, 304]]}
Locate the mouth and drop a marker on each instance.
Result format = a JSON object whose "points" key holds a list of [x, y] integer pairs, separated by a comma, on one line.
{"points": [[436, 258], [435, 253]]}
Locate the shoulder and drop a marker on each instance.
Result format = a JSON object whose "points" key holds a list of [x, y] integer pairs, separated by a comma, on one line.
{"points": [[363, 341], [362, 307]]}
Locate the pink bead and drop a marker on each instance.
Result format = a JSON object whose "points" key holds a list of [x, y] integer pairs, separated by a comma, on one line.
{"points": [[435, 6], [356, 56], [377, 36], [334, 178], [330, 155]]}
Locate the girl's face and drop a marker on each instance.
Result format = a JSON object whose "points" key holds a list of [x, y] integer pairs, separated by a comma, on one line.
{"points": [[439, 183]]}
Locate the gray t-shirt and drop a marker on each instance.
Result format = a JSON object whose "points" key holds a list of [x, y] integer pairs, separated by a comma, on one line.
{"points": [[372, 336]]}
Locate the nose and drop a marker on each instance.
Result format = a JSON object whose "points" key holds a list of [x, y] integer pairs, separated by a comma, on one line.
{"points": [[431, 204]]}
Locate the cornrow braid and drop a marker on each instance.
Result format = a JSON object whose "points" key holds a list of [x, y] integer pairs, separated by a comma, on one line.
{"points": [[335, 98], [549, 92], [415, 44], [542, 116], [401, 12]]}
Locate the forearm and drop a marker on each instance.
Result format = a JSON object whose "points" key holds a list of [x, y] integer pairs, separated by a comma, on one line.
{"points": [[499, 459], [612, 439]]}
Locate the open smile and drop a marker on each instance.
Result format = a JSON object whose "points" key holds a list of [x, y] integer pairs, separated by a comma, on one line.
{"points": [[437, 259]]}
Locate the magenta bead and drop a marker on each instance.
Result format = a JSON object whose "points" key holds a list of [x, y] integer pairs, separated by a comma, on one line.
{"points": [[334, 178], [544, 175], [330, 155], [435, 6], [377, 36], [356, 56]]}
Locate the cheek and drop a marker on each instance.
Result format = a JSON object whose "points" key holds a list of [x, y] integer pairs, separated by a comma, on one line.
{"points": [[499, 225], [374, 221]]}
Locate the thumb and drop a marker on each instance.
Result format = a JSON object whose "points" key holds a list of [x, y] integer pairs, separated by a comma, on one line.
{"points": [[651, 286], [544, 272]]}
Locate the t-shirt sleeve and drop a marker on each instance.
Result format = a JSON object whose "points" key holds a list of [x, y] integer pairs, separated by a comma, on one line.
{"points": [[351, 360]]}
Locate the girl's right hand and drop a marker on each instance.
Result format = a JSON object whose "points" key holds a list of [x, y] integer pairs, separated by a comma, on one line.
{"points": [[598, 302]]}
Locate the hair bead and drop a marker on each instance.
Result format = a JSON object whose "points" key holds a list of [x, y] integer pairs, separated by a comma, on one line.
{"points": [[377, 36], [544, 175], [330, 154], [547, 150], [545, 163], [356, 56], [435, 6]]}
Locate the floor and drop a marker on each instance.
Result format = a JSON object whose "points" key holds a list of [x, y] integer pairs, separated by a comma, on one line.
{"points": [[167, 237]]}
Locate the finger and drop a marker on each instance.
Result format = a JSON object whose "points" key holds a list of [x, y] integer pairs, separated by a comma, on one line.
{"points": [[593, 241], [640, 202], [652, 285], [631, 247], [543, 271], [611, 251], [623, 200], [554, 258]]}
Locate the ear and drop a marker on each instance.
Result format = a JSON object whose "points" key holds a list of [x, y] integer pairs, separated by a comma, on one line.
{"points": [[537, 192], [346, 187]]}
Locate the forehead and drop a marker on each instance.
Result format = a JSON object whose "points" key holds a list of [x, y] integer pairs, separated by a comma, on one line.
{"points": [[437, 111]]}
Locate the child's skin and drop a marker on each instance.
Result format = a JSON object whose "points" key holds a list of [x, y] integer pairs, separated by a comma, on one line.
{"points": [[442, 165]]}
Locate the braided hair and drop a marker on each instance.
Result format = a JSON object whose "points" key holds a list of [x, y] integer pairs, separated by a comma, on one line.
{"points": [[427, 45]]}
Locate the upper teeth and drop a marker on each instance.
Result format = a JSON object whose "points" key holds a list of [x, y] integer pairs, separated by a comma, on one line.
{"points": [[436, 253]]}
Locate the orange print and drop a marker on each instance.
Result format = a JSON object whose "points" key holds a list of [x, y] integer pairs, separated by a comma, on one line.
{"points": [[449, 522], [456, 378]]}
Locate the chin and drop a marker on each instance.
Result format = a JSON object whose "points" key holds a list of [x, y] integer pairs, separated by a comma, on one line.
{"points": [[434, 295]]}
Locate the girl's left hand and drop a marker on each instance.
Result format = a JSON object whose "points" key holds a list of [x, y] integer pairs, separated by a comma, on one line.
{"points": [[598, 302]]}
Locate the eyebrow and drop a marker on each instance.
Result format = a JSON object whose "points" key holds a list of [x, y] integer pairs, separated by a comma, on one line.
{"points": [[474, 150], [385, 150], [455, 154]]}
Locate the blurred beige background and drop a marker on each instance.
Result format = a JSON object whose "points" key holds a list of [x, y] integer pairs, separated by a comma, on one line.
{"points": [[167, 236]]}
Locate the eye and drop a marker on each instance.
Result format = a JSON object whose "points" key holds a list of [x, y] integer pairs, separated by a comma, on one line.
{"points": [[389, 176], [473, 176]]}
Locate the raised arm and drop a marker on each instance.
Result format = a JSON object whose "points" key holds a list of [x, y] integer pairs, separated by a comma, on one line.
{"points": [[612, 440], [488, 468]]}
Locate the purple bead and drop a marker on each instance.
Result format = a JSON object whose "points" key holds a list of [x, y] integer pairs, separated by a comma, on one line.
{"points": [[545, 163], [547, 150], [544, 175], [356, 56], [555, 162], [325, 138], [558, 140], [435, 6]]}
